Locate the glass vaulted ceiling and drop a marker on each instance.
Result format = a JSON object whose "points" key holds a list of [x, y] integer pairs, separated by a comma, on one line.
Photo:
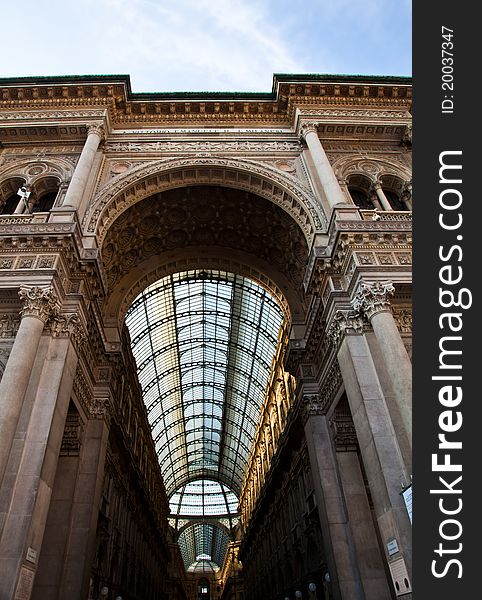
{"points": [[203, 342]]}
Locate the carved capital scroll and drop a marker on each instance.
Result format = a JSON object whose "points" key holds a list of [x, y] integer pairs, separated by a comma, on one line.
{"points": [[345, 322], [39, 302], [307, 128], [373, 298]]}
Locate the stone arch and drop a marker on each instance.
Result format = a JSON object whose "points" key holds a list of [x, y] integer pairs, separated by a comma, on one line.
{"points": [[373, 167], [31, 172], [241, 233], [145, 180]]}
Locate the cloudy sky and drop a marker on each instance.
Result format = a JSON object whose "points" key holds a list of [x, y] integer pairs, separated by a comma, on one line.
{"points": [[205, 45]]}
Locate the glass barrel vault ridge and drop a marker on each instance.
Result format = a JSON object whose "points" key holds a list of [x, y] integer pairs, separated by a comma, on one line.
{"points": [[203, 342]]}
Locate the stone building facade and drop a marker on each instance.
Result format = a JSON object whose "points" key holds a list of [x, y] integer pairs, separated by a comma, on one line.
{"points": [[305, 191]]}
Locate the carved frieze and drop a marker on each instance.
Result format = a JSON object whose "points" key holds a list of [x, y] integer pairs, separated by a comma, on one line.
{"points": [[200, 146]]}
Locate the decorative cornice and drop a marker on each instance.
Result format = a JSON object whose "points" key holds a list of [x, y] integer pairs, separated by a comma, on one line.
{"points": [[38, 302], [373, 298]]}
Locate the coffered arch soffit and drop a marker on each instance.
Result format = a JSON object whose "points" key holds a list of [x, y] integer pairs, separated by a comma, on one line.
{"points": [[372, 167], [203, 227], [145, 180]]}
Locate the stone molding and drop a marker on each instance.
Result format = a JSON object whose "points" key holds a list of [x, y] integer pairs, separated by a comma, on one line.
{"points": [[373, 298], [38, 302], [201, 146]]}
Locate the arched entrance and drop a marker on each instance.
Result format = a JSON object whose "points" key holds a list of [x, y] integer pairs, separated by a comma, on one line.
{"points": [[204, 276]]}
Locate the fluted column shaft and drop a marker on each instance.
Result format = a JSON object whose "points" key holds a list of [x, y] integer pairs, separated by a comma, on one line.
{"points": [[76, 188], [328, 181], [39, 304]]}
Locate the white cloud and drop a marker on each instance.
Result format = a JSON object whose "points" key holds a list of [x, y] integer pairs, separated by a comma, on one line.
{"points": [[215, 44]]}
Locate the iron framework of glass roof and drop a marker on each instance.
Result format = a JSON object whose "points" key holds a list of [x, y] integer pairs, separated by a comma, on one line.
{"points": [[203, 342]]}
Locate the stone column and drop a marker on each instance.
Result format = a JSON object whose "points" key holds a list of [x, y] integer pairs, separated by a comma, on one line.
{"points": [[377, 188], [336, 528], [82, 171], [376, 436], [80, 549], [369, 559], [323, 169], [22, 535], [373, 301], [39, 303]]}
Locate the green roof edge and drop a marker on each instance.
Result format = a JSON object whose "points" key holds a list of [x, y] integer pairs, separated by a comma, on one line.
{"points": [[277, 78]]}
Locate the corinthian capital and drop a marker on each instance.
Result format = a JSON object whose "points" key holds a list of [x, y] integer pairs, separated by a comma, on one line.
{"points": [[345, 321], [98, 129], [373, 298], [307, 128], [39, 302], [68, 325]]}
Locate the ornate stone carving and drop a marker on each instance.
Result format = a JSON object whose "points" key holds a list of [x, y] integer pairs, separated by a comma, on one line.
{"points": [[344, 434], [307, 128], [373, 298], [209, 147], [403, 319], [100, 408], [407, 136], [313, 405], [68, 325], [72, 438], [9, 323], [39, 302], [345, 322], [98, 129]]}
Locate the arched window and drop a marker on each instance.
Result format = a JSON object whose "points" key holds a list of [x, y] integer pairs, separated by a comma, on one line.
{"points": [[359, 187], [45, 202], [9, 198], [44, 193], [360, 198]]}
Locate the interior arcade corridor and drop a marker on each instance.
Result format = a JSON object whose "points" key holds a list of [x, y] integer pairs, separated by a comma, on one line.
{"points": [[205, 341]]}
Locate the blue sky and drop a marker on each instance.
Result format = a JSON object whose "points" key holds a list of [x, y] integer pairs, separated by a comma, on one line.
{"points": [[205, 45]]}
